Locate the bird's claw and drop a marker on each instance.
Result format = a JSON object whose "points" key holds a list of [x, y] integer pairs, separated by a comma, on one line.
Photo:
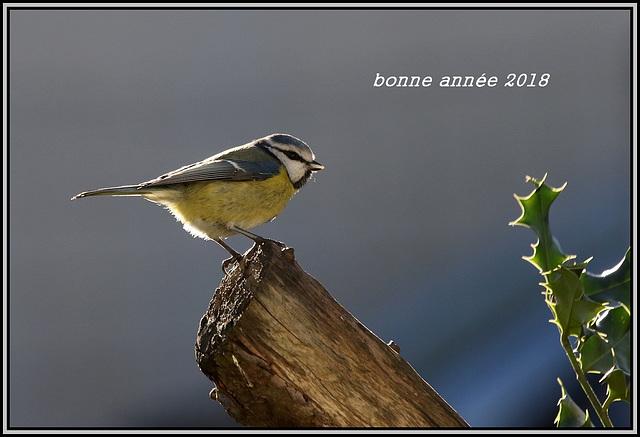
{"points": [[227, 263]]}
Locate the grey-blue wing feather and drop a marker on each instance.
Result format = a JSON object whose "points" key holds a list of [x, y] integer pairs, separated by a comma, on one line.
{"points": [[218, 170]]}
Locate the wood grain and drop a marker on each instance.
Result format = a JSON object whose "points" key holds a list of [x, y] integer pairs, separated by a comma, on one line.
{"points": [[283, 353]]}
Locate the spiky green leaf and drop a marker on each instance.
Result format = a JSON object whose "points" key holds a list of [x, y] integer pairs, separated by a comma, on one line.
{"points": [[547, 254], [595, 355], [593, 308], [615, 324], [570, 415], [618, 387], [612, 285], [568, 304]]}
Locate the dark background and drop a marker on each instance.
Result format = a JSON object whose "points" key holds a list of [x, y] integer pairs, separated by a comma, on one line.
{"points": [[407, 226]]}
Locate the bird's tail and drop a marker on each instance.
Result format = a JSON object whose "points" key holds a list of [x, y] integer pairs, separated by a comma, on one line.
{"points": [[125, 190]]}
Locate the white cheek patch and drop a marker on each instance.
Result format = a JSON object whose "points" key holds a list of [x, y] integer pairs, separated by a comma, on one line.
{"points": [[296, 169]]}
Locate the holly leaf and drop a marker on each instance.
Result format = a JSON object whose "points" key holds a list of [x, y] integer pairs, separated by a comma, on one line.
{"points": [[596, 355], [615, 324], [547, 254], [593, 308], [612, 285], [570, 415], [618, 387], [568, 304]]}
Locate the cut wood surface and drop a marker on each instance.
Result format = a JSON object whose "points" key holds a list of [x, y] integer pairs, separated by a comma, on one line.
{"points": [[283, 353]]}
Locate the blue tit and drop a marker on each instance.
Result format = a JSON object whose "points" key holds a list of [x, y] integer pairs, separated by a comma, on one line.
{"points": [[231, 192]]}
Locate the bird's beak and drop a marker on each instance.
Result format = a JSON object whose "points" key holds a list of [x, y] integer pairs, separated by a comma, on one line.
{"points": [[315, 166]]}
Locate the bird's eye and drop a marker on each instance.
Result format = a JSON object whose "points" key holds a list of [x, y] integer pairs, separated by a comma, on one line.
{"points": [[292, 155]]}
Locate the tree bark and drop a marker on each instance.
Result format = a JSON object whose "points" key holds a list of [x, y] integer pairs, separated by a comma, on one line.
{"points": [[283, 353]]}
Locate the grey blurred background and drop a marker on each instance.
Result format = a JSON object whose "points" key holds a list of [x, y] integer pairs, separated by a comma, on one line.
{"points": [[407, 227]]}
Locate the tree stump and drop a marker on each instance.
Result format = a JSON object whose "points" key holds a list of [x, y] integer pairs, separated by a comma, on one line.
{"points": [[283, 353]]}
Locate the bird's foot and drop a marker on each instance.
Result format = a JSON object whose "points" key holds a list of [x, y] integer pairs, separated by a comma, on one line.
{"points": [[235, 257], [228, 263]]}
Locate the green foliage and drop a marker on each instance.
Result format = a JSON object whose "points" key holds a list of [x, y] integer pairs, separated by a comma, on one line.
{"points": [[593, 309], [569, 413]]}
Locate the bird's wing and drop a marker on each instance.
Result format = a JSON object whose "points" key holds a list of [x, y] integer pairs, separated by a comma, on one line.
{"points": [[219, 169]]}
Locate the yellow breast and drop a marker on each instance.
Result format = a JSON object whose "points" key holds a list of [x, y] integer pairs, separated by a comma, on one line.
{"points": [[209, 208]]}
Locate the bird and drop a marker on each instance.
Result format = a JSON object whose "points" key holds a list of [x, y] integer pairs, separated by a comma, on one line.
{"points": [[231, 192]]}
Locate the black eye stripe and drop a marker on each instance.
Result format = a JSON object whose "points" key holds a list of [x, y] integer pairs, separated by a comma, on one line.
{"points": [[270, 148], [293, 155]]}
